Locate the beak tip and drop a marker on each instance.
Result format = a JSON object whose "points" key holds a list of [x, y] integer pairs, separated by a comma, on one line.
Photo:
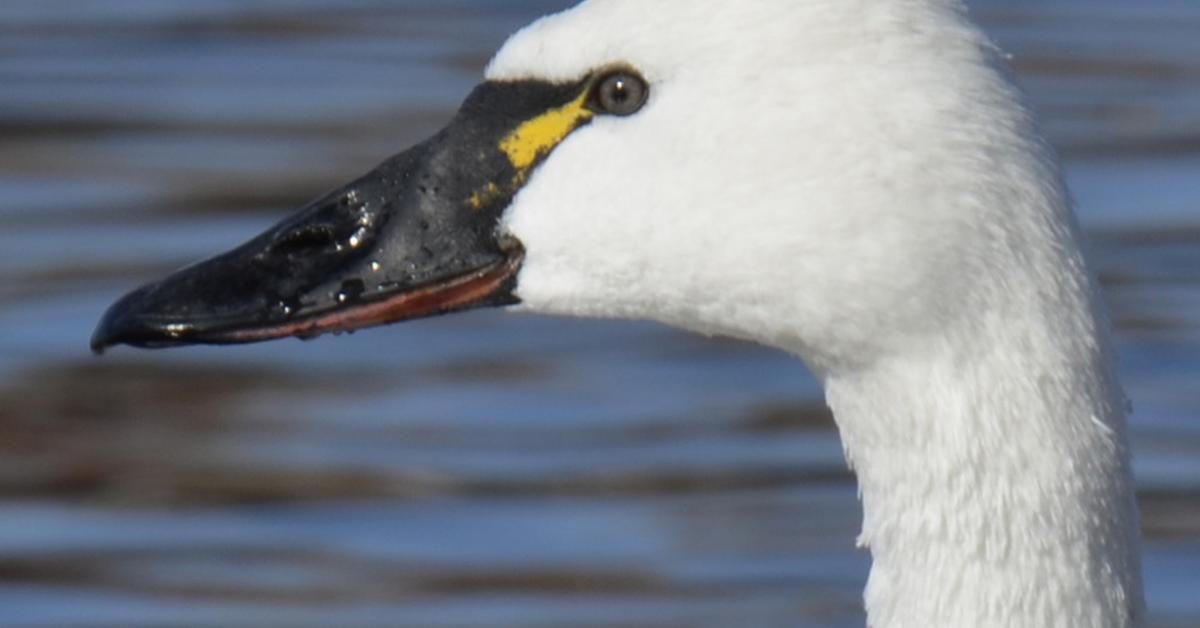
{"points": [[124, 323], [112, 330], [98, 346]]}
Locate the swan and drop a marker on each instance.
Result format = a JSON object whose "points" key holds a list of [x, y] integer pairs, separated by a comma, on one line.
{"points": [[856, 182]]}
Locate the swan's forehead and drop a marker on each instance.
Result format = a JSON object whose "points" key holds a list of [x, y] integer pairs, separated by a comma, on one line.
{"points": [[568, 45], [656, 37], [723, 37]]}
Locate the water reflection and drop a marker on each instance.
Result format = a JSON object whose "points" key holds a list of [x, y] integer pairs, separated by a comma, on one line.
{"points": [[484, 470]]}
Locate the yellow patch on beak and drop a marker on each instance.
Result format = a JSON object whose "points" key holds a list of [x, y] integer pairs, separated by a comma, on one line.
{"points": [[479, 199], [537, 137], [530, 142]]}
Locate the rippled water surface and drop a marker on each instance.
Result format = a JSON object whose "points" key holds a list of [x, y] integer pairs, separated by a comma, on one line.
{"points": [[486, 469]]}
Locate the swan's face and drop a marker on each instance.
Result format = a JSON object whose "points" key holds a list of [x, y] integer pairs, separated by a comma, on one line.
{"points": [[758, 168], [790, 178]]}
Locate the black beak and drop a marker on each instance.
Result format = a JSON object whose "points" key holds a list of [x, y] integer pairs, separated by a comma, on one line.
{"points": [[416, 237]]}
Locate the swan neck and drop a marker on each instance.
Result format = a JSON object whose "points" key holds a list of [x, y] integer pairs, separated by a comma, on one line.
{"points": [[995, 479]]}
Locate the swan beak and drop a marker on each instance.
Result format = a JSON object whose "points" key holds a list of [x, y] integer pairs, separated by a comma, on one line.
{"points": [[416, 237]]}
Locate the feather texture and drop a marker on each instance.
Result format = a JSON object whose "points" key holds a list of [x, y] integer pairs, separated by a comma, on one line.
{"points": [[860, 183]]}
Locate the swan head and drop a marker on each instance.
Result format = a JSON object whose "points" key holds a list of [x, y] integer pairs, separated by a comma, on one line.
{"points": [[814, 176], [850, 180]]}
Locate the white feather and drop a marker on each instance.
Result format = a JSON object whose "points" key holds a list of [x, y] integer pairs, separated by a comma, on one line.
{"points": [[858, 182]]}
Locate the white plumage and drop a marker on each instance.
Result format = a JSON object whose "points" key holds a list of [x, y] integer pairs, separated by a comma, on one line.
{"points": [[857, 182]]}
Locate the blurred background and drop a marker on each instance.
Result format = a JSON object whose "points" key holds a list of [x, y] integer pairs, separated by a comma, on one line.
{"points": [[486, 469]]}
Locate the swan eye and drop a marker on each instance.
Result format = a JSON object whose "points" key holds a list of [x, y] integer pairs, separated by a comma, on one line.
{"points": [[621, 93]]}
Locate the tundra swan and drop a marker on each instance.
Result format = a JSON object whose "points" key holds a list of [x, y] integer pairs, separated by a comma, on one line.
{"points": [[856, 182]]}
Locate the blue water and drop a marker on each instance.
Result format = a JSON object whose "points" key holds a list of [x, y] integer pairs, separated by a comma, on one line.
{"points": [[486, 469]]}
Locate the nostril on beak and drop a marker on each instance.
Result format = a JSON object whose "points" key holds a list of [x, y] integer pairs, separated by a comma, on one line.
{"points": [[306, 239]]}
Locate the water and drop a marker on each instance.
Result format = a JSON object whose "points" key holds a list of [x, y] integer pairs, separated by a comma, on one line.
{"points": [[486, 469]]}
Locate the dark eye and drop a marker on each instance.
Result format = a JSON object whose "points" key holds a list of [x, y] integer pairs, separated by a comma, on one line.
{"points": [[621, 93]]}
